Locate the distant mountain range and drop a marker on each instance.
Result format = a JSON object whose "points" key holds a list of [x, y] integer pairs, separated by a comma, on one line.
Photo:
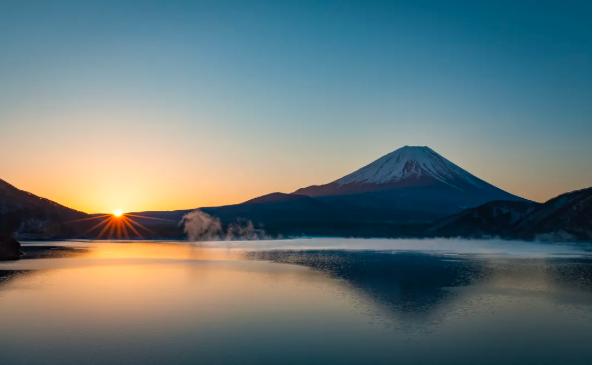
{"points": [[410, 192]]}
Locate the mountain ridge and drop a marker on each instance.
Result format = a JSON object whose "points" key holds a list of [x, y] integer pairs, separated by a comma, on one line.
{"points": [[420, 194], [412, 181], [404, 167], [40, 217], [565, 217]]}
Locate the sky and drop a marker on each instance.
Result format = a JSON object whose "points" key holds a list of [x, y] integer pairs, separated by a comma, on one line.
{"points": [[154, 105]]}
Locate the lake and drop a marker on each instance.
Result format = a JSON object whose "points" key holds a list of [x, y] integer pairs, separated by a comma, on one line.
{"points": [[308, 301]]}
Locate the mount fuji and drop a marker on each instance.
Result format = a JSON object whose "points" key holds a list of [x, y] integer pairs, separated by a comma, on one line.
{"points": [[394, 195], [411, 167], [412, 183]]}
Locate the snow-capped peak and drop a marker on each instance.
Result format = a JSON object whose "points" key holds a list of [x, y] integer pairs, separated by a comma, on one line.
{"points": [[410, 162]]}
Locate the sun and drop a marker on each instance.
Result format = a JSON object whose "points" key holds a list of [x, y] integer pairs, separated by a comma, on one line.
{"points": [[120, 225]]}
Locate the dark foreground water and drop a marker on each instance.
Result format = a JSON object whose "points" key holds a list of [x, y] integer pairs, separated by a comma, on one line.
{"points": [[299, 302]]}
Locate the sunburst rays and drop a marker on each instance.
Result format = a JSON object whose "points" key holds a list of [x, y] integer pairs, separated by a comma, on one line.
{"points": [[119, 226]]}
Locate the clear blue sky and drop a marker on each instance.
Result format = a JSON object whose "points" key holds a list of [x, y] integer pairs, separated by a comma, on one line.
{"points": [[177, 104]]}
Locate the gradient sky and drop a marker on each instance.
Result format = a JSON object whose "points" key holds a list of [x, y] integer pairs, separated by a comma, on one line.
{"points": [[177, 104]]}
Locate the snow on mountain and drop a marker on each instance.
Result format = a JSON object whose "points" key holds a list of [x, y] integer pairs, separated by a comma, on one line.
{"points": [[411, 162], [409, 167]]}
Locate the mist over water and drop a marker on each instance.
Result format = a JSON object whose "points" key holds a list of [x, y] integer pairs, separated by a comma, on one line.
{"points": [[200, 226], [346, 301], [492, 247]]}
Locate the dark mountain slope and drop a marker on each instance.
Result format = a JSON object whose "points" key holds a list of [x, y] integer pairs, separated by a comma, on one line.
{"points": [[33, 216], [564, 218], [496, 218]]}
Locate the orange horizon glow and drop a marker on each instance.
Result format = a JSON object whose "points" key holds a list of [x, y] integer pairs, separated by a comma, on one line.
{"points": [[94, 197], [96, 183]]}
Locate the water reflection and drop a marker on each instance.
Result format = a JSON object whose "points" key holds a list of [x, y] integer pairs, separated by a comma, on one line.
{"points": [[7, 275], [409, 283], [178, 303], [573, 273], [420, 287]]}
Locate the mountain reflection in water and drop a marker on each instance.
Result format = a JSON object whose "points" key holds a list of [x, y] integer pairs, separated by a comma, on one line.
{"points": [[271, 302], [412, 283]]}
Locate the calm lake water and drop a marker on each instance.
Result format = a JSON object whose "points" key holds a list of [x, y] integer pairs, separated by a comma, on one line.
{"points": [[313, 301]]}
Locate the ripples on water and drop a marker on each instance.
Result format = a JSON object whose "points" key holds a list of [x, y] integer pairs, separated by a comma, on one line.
{"points": [[299, 301]]}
